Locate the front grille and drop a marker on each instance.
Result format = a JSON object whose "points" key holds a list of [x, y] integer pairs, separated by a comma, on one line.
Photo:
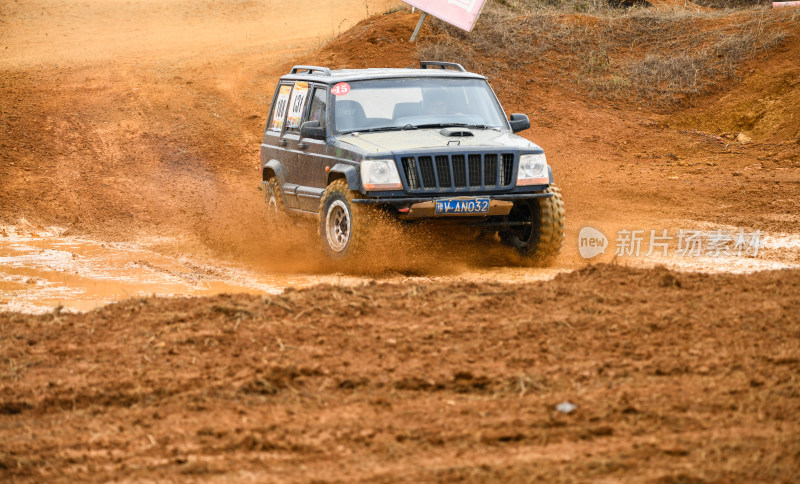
{"points": [[442, 172]]}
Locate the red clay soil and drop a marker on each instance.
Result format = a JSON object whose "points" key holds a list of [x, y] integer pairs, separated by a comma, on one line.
{"points": [[764, 105], [676, 377]]}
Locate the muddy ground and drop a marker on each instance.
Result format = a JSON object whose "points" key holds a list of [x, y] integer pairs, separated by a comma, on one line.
{"points": [[676, 378], [128, 150]]}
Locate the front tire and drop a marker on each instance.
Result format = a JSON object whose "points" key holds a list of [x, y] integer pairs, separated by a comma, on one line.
{"points": [[543, 238], [340, 222]]}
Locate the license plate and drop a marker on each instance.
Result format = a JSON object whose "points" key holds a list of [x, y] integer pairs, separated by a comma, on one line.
{"points": [[458, 206]]}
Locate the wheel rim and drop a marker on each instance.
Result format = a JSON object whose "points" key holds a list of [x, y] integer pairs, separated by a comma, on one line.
{"points": [[337, 222]]}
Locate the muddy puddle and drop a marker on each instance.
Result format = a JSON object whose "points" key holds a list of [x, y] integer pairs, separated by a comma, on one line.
{"points": [[43, 270]]}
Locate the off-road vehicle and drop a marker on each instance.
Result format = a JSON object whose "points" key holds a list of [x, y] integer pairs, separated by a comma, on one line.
{"points": [[418, 144]]}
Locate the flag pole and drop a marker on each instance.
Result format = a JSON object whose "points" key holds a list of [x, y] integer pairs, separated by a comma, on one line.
{"points": [[419, 26]]}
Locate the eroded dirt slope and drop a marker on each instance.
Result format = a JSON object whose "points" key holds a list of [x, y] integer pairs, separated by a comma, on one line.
{"points": [[764, 105], [676, 378], [144, 119]]}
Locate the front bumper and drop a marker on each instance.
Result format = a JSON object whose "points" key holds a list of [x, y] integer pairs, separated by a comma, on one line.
{"points": [[425, 207], [408, 201]]}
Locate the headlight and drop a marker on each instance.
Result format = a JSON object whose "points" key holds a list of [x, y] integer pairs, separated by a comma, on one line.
{"points": [[532, 170], [380, 175]]}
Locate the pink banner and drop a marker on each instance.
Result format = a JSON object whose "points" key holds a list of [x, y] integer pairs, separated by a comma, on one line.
{"points": [[461, 13]]}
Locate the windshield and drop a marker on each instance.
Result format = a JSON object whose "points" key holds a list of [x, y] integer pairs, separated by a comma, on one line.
{"points": [[388, 104]]}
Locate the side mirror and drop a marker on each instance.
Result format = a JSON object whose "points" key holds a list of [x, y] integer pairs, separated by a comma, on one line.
{"points": [[519, 122], [312, 129]]}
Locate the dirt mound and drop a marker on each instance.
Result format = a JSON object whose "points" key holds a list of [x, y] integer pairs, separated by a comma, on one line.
{"points": [[672, 378], [381, 41], [121, 153], [763, 106]]}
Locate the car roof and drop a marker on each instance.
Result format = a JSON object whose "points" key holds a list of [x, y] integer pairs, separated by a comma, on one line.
{"points": [[327, 76]]}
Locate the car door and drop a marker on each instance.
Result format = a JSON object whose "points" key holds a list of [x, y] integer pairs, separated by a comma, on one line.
{"points": [[275, 146], [294, 118], [301, 165], [312, 154], [317, 156]]}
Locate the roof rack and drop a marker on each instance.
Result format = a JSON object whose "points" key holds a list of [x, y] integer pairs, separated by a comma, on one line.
{"points": [[441, 65], [311, 69]]}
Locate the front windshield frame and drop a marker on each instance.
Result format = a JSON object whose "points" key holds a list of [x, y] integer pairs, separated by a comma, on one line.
{"points": [[427, 102]]}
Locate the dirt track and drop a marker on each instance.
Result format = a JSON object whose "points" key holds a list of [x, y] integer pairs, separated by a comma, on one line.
{"points": [[139, 122], [676, 378]]}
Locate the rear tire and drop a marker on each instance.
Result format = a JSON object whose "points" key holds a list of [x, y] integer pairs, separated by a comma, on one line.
{"points": [[277, 217], [341, 222], [543, 238]]}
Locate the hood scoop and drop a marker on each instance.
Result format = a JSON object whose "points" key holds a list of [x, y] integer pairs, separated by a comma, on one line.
{"points": [[458, 132]]}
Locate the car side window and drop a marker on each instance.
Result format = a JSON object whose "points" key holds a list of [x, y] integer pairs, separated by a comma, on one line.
{"points": [[296, 104], [319, 106], [279, 106]]}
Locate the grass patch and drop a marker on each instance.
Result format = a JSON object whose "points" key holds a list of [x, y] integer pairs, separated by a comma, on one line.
{"points": [[733, 3], [661, 58]]}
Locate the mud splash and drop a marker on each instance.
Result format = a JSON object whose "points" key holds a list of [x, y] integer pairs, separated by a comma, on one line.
{"points": [[46, 269]]}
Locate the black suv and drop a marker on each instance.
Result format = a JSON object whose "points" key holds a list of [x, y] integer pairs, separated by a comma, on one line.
{"points": [[419, 144]]}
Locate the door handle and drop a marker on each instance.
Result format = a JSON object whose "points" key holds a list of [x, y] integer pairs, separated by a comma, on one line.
{"points": [[283, 142], [302, 145]]}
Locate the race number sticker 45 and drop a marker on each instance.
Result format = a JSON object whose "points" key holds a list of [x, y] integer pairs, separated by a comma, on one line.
{"points": [[280, 108], [296, 104], [340, 89]]}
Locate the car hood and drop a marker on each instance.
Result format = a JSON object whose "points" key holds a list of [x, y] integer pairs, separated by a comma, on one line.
{"points": [[420, 139]]}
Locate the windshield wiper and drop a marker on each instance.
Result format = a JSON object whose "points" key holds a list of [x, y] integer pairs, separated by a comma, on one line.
{"points": [[382, 128], [452, 125]]}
